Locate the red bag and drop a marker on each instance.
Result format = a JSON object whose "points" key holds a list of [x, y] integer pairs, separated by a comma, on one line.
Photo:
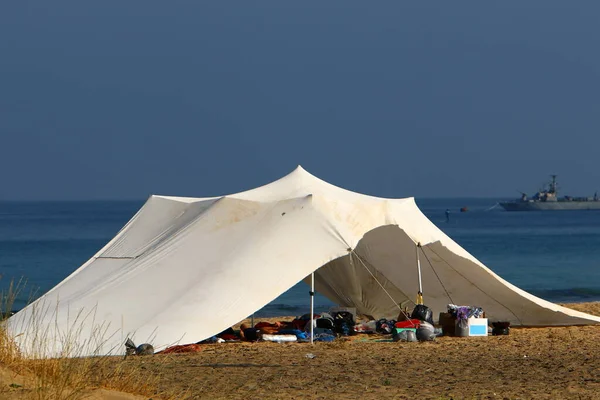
{"points": [[411, 323]]}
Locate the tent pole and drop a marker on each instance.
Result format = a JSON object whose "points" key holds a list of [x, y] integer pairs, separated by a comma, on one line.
{"points": [[420, 294], [312, 305]]}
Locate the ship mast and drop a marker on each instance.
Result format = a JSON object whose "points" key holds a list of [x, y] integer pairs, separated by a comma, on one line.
{"points": [[553, 184]]}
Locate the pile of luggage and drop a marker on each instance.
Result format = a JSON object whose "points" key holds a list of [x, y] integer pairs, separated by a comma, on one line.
{"points": [[419, 327], [326, 327]]}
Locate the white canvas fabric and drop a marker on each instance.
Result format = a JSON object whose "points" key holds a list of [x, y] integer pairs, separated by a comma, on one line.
{"points": [[184, 269]]}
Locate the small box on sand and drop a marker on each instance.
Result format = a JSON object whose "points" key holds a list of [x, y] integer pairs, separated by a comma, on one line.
{"points": [[447, 321], [478, 326]]}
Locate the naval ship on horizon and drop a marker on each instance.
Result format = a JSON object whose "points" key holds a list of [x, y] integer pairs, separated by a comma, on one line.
{"points": [[548, 200]]}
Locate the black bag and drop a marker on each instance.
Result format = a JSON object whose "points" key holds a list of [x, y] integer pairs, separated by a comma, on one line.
{"points": [[325, 321], [500, 331], [500, 328], [344, 316], [344, 323], [422, 313], [252, 334]]}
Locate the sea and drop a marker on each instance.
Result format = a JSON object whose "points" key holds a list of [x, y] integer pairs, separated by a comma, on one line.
{"points": [[554, 255]]}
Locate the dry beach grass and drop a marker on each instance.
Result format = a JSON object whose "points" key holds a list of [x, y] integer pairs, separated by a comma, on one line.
{"points": [[69, 377], [530, 363]]}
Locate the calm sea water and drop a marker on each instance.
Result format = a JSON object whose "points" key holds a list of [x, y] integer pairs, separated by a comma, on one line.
{"points": [[554, 255]]}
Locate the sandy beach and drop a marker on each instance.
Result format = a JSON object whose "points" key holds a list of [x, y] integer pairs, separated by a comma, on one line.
{"points": [[530, 363]]}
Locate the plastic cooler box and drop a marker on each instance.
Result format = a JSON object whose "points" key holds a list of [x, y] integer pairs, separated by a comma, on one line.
{"points": [[478, 326], [410, 325]]}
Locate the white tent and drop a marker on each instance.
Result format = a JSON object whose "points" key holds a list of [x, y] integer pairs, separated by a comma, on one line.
{"points": [[184, 269]]}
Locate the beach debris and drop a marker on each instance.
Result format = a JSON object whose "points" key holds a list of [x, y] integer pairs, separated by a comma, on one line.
{"points": [[144, 349], [310, 355]]}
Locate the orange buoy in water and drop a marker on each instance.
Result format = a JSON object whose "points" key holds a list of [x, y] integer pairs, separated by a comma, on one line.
{"points": [[464, 209]]}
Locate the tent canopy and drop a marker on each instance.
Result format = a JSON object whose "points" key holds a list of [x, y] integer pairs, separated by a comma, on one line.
{"points": [[183, 269]]}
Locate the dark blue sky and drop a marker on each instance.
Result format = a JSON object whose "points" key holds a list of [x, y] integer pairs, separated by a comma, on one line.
{"points": [[121, 99]]}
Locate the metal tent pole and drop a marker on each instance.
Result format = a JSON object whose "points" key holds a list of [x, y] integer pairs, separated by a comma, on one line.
{"points": [[312, 305], [420, 294]]}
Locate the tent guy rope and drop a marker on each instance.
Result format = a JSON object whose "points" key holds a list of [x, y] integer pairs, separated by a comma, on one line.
{"points": [[376, 280]]}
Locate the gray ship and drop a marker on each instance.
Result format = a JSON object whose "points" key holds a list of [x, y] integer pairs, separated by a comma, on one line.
{"points": [[548, 200]]}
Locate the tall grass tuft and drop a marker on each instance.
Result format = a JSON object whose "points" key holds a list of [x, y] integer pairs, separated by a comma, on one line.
{"points": [[9, 352], [69, 376]]}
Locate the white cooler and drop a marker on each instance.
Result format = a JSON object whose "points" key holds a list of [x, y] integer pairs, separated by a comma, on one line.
{"points": [[478, 326]]}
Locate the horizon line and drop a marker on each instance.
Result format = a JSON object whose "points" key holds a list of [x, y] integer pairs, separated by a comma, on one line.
{"points": [[146, 198]]}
